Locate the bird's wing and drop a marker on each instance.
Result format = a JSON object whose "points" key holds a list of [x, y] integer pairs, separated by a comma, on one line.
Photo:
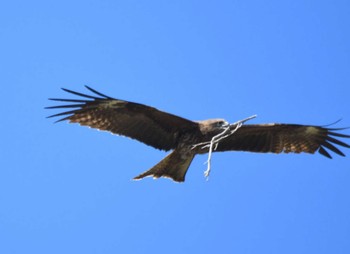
{"points": [[287, 138], [137, 121]]}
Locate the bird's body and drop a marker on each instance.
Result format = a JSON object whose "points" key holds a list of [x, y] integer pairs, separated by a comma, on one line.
{"points": [[166, 132]]}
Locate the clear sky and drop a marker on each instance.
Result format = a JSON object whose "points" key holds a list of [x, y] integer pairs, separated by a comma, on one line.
{"points": [[67, 189]]}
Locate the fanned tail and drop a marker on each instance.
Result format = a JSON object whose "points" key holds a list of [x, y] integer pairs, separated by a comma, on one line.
{"points": [[174, 166]]}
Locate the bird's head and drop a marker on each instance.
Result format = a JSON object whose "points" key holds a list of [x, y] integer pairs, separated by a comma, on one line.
{"points": [[211, 125], [220, 123]]}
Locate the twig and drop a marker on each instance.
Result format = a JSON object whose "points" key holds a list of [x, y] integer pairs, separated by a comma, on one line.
{"points": [[213, 144]]}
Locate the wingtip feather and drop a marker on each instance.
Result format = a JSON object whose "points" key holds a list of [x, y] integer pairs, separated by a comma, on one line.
{"points": [[98, 93], [323, 151]]}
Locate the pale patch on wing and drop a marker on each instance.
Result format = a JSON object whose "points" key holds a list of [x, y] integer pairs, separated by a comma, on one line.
{"points": [[312, 130], [114, 104]]}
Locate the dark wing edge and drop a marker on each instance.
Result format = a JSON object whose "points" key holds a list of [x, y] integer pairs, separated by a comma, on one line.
{"points": [[278, 138], [78, 103], [329, 140]]}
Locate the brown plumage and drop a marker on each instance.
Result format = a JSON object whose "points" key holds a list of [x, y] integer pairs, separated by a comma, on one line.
{"points": [[166, 132]]}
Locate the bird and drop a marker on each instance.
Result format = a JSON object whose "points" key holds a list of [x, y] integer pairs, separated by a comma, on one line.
{"points": [[185, 138]]}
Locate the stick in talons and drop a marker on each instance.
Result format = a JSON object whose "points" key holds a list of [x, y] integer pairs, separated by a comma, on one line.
{"points": [[213, 144]]}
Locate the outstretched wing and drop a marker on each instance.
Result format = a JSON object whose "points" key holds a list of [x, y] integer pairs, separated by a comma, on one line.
{"points": [[143, 123], [287, 138]]}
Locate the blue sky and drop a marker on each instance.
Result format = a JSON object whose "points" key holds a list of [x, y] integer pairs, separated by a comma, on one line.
{"points": [[67, 189]]}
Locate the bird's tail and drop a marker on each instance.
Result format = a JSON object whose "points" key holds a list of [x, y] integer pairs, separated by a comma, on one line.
{"points": [[174, 166]]}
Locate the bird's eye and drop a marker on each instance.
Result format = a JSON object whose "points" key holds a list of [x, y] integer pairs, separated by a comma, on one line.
{"points": [[220, 123]]}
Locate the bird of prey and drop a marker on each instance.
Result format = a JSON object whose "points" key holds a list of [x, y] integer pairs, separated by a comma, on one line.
{"points": [[186, 138]]}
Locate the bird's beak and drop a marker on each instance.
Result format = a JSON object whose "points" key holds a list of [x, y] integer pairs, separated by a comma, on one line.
{"points": [[226, 124]]}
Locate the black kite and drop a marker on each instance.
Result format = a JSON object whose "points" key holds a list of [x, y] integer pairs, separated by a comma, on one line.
{"points": [[166, 132]]}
